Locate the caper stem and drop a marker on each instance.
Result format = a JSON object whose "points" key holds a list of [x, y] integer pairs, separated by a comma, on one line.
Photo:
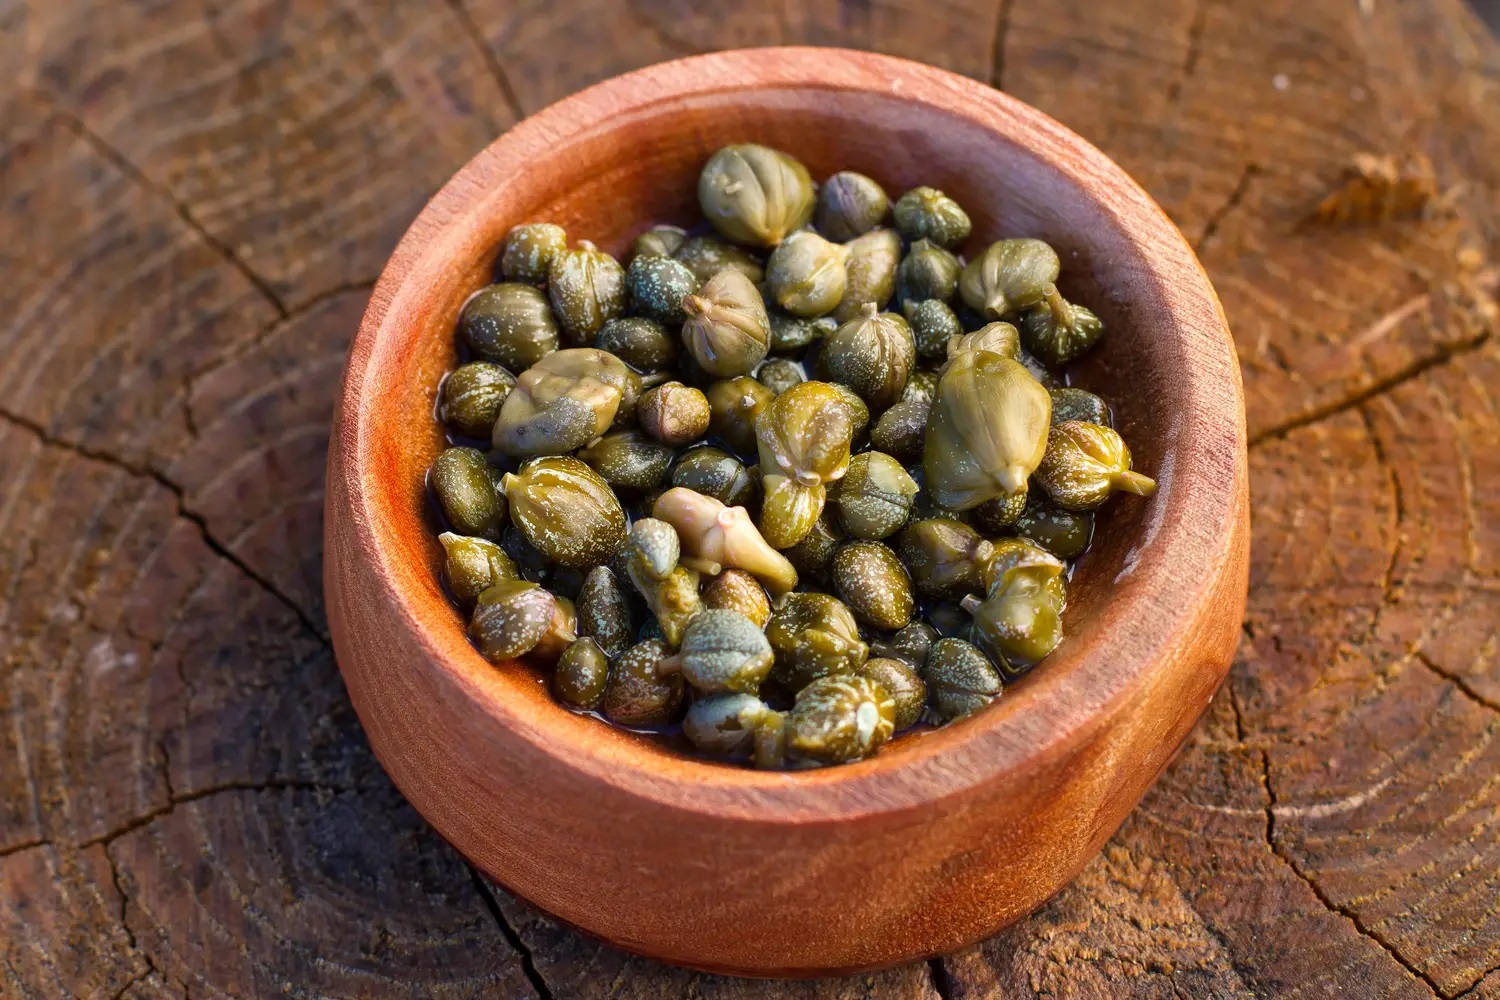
{"points": [[1134, 482], [1062, 309]]}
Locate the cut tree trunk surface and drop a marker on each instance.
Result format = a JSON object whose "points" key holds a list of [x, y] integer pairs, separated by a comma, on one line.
{"points": [[195, 200]]}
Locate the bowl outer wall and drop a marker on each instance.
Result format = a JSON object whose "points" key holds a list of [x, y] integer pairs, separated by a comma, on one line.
{"points": [[939, 840]]}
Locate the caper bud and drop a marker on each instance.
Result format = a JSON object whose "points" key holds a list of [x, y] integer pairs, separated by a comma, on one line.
{"points": [[719, 537], [872, 354], [901, 681], [651, 555], [770, 741], [473, 565], [927, 272], [604, 611], [738, 591], [563, 402], [1071, 403], [734, 405], [641, 343], [1009, 275], [581, 675], [838, 719], [723, 651], [706, 256], [944, 556], [673, 413], [755, 195], [858, 410], [561, 632], [779, 375], [1085, 463], [658, 241], [725, 724], [814, 553], [716, 474], [921, 385], [510, 618], [639, 692], [872, 581], [1020, 619], [900, 430], [566, 510], [587, 288], [1064, 533], [910, 645], [1058, 331], [466, 491], [805, 274], [870, 272], [849, 205], [471, 397], [726, 331], [932, 324], [510, 324], [813, 635], [789, 510], [529, 251], [657, 286], [997, 514], [997, 338], [629, 460], [925, 213], [792, 333], [960, 679], [988, 430], [875, 496]]}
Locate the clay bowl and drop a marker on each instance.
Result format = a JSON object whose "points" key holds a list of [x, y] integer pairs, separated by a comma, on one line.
{"points": [[942, 838]]}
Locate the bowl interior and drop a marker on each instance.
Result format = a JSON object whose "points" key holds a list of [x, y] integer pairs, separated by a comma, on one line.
{"points": [[608, 178]]}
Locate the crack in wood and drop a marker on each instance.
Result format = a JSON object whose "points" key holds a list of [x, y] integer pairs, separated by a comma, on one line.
{"points": [[942, 982], [512, 937], [1476, 983], [1236, 195], [1457, 680], [114, 875], [997, 47], [491, 61], [1194, 50], [25, 845], [273, 785]]}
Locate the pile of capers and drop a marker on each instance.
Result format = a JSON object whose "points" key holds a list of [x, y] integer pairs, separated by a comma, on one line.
{"points": [[782, 486]]}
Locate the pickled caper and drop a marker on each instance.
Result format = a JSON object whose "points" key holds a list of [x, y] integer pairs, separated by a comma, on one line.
{"points": [[581, 675], [466, 491], [925, 213], [604, 611], [673, 413], [872, 581], [643, 344], [779, 375], [901, 681], [566, 510], [639, 691], [587, 288], [510, 324], [849, 205], [656, 287], [529, 250]]}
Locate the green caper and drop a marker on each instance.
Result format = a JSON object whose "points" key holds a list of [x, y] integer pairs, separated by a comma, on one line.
{"points": [[738, 591], [901, 681], [1020, 619], [921, 385], [960, 679], [604, 611], [910, 645], [927, 272], [672, 596], [1085, 463], [997, 338], [566, 510], [726, 724], [629, 460], [641, 343], [717, 537], [988, 430], [1057, 331], [561, 631], [805, 274], [706, 256], [925, 213], [1072, 403], [656, 287], [932, 324], [673, 413], [814, 553], [658, 241], [466, 491], [716, 474], [1064, 533], [723, 651], [651, 551], [997, 514], [755, 195], [838, 719], [849, 205], [639, 692], [581, 675], [872, 581], [563, 402], [813, 635], [870, 272], [804, 435], [472, 565], [510, 324], [779, 375], [792, 333], [734, 404], [587, 288], [788, 510], [944, 556], [875, 495], [899, 431], [872, 354], [726, 331], [1009, 275], [510, 618], [471, 397], [858, 409], [529, 250]]}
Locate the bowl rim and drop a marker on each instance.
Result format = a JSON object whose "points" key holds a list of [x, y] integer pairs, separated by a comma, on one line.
{"points": [[1053, 713]]}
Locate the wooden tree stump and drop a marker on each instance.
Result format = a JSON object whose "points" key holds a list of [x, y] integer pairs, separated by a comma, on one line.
{"points": [[194, 203]]}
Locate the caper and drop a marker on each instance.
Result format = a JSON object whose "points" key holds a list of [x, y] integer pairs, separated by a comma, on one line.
{"points": [[872, 354], [770, 741], [805, 274], [706, 256], [900, 430], [925, 213], [927, 272], [1085, 463], [838, 719], [561, 631], [726, 331], [723, 651], [658, 241], [1064, 533], [997, 338], [510, 618], [510, 324], [932, 324], [804, 434], [849, 205], [875, 496], [587, 288], [870, 272], [988, 430], [1057, 331], [473, 565], [779, 375], [717, 474], [1009, 275], [789, 509], [901, 681], [792, 333], [814, 553], [604, 611], [1020, 619], [471, 397], [651, 560], [629, 460], [910, 645], [960, 679], [656, 287], [944, 557], [673, 413], [529, 250], [563, 402], [639, 692], [872, 581], [641, 343], [858, 409], [734, 405], [755, 195], [720, 537], [1072, 403], [466, 491], [813, 635], [997, 514], [566, 510], [921, 385], [581, 675], [726, 724], [738, 591]]}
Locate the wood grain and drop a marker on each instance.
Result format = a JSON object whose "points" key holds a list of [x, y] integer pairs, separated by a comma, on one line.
{"points": [[1198, 895]]}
